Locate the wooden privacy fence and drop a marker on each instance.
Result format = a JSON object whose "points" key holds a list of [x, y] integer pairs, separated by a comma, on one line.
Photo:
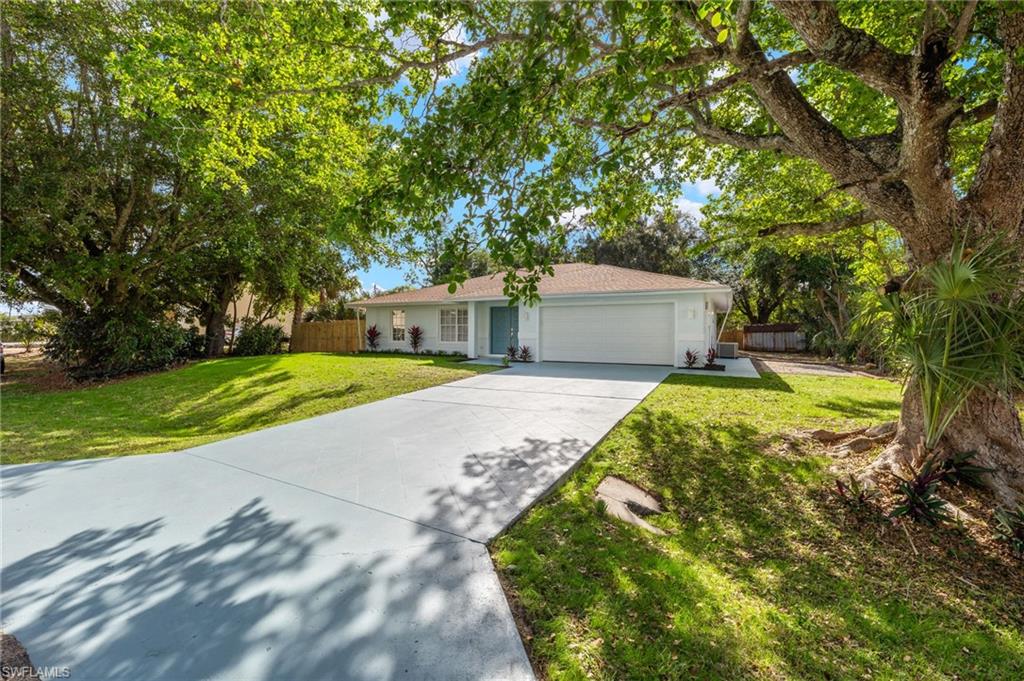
{"points": [[773, 337], [348, 335], [767, 337], [732, 336]]}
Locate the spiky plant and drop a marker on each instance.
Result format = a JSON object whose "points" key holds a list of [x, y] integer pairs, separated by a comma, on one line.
{"points": [[373, 337], [920, 501], [415, 338], [1009, 527], [959, 327]]}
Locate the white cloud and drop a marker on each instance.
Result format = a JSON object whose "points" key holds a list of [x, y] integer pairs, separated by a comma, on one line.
{"points": [[573, 219], [707, 187], [689, 207]]}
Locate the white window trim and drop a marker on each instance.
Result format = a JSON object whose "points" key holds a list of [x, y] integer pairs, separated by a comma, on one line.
{"points": [[461, 326], [396, 329]]}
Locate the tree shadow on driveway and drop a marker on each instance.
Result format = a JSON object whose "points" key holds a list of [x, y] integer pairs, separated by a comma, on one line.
{"points": [[256, 597]]}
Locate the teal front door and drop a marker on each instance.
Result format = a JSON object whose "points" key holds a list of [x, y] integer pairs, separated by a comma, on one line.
{"points": [[504, 328]]}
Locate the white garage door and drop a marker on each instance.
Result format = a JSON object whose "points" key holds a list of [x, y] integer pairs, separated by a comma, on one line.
{"points": [[626, 334]]}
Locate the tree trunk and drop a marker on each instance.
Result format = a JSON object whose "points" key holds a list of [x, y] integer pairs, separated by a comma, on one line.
{"points": [[216, 316], [215, 334], [987, 424], [300, 306]]}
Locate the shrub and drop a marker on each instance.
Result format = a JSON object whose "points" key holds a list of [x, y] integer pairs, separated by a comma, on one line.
{"points": [[258, 339], [525, 355], [959, 469], [710, 357], [512, 352], [373, 337], [919, 502], [1010, 529], [958, 329], [98, 345], [195, 344], [854, 493], [415, 338], [690, 358], [329, 311]]}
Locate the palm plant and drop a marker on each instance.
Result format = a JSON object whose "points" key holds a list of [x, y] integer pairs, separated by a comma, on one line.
{"points": [[960, 327]]}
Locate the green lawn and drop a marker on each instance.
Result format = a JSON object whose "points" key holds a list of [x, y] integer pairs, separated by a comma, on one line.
{"points": [[202, 402], [765, 574]]}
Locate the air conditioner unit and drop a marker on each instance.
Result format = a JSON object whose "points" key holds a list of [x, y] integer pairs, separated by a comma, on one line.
{"points": [[728, 350]]}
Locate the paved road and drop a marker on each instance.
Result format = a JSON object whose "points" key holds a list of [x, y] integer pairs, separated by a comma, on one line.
{"points": [[346, 546]]}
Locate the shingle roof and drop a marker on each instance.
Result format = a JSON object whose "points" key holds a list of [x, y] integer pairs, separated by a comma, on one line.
{"points": [[569, 279]]}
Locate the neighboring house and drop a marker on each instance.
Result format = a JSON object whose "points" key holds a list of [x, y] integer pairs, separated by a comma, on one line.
{"points": [[245, 306], [587, 313]]}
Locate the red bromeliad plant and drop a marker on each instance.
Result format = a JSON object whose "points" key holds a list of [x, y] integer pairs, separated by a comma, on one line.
{"points": [[710, 357], [690, 358], [525, 354], [415, 338], [373, 337]]}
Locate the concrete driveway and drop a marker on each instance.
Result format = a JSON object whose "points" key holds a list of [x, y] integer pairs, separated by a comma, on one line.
{"points": [[346, 546]]}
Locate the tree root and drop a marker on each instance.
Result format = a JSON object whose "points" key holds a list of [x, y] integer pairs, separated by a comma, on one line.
{"points": [[855, 441]]}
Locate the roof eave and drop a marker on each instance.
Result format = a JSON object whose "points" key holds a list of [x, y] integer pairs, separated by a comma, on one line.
{"points": [[477, 299]]}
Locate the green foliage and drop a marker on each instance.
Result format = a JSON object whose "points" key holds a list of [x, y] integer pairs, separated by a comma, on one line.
{"points": [[141, 176], [919, 499], [27, 329], [258, 339], [854, 492], [329, 311], [667, 242], [582, 106], [958, 325], [960, 469], [1009, 529], [103, 346]]}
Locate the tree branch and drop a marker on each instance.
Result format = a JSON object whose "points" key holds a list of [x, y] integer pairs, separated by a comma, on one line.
{"points": [[822, 228], [44, 293], [721, 85], [697, 56], [996, 196], [702, 126], [963, 27], [977, 114], [719, 135], [464, 50], [742, 22], [851, 49], [820, 140]]}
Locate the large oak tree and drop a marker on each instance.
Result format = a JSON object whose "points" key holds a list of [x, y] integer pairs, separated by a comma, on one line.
{"points": [[137, 181], [909, 115]]}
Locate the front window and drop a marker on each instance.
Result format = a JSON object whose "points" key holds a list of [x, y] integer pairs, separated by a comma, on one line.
{"points": [[398, 325], [454, 325]]}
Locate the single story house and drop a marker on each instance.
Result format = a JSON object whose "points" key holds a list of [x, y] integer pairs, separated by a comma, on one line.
{"points": [[587, 313]]}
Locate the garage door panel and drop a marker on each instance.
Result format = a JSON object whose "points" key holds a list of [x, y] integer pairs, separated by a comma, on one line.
{"points": [[626, 334]]}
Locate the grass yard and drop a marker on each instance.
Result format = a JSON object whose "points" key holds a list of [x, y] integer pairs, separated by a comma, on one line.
{"points": [[201, 402], [765, 574]]}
